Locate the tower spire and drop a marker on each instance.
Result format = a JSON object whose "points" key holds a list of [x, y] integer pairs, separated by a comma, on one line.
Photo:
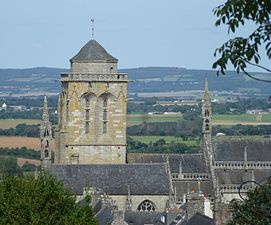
{"points": [[206, 110], [46, 138], [206, 91], [45, 114]]}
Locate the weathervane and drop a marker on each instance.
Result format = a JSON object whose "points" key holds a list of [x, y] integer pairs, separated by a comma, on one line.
{"points": [[92, 28]]}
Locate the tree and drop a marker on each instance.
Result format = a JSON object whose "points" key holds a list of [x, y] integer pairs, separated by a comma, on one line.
{"points": [[244, 51], [8, 165], [26, 200], [255, 209]]}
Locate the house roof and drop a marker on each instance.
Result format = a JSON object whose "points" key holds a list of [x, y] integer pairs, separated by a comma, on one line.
{"points": [[93, 51], [199, 219], [116, 179]]}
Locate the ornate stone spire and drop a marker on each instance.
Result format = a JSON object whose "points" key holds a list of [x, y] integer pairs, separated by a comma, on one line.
{"points": [[206, 112], [46, 138], [45, 114]]}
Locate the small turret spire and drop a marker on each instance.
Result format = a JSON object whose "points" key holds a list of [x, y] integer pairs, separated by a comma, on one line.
{"points": [[206, 91], [45, 114], [46, 138], [206, 110]]}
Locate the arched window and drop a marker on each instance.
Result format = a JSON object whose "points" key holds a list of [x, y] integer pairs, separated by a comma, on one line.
{"points": [[46, 144], [105, 102], [46, 153], [206, 113], [105, 121], [46, 133], [146, 206], [87, 101], [86, 106]]}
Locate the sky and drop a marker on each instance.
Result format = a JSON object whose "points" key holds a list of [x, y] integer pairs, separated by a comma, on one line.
{"points": [[139, 33]]}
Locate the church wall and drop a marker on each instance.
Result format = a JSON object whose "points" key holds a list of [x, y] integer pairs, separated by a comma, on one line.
{"points": [[95, 154], [160, 201]]}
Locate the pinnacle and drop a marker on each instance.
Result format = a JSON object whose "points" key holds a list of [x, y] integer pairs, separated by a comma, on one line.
{"points": [[45, 114]]}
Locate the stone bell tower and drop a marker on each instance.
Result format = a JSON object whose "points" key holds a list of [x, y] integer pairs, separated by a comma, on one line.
{"points": [[92, 110]]}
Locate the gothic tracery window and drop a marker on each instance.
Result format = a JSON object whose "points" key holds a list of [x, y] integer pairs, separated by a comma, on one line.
{"points": [[87, 116], [146, 206]]}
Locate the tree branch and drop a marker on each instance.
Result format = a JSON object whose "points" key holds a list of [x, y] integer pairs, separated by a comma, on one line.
{"points": [[259, 66], [255, 78]]}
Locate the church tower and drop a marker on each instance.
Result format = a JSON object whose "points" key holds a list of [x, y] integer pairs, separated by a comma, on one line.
{"points": [[92, 110], [45, 138]]}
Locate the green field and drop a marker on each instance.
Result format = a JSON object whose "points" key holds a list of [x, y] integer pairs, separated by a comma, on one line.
{"points": [[168, 139], [242, 119], [135, 119], [12, 123]]}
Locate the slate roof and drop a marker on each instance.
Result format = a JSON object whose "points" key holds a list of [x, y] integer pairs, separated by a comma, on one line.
{"points": [[182, 187], [233, 150], [93, 51], [191, 163], [114, 179], [141, 218], [199, 219], [239, 176]]}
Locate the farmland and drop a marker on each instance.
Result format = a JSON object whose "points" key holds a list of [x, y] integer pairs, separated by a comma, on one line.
{"points": [[135, 119], [18, 142], [244, 119], [12, 123]]}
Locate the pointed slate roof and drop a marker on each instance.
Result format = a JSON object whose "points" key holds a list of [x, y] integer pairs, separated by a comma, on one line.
{"points": [[93, 51]]}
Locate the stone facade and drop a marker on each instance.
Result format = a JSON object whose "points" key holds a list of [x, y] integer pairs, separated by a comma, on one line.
{"points": [[92, 110]]}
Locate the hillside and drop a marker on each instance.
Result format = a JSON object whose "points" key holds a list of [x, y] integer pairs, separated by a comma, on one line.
{"points": [[147, 79]]}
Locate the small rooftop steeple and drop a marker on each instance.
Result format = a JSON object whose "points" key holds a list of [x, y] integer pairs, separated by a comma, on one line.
{"points": [[206, 91], [45, 138], [206, 110], [45, 114]]}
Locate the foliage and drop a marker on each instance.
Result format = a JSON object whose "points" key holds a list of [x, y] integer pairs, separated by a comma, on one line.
{"points": [[188, 127], [160, 146], [21, 130], [255, 209], [244, 51], [8, 165], [20, 152], [26, 200], [238, 130]]}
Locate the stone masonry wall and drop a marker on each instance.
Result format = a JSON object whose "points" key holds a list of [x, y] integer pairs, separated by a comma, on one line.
{"points": [[74, 143]]}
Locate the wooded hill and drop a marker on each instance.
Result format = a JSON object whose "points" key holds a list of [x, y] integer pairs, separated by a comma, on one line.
{"points": [[146, 79]]}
